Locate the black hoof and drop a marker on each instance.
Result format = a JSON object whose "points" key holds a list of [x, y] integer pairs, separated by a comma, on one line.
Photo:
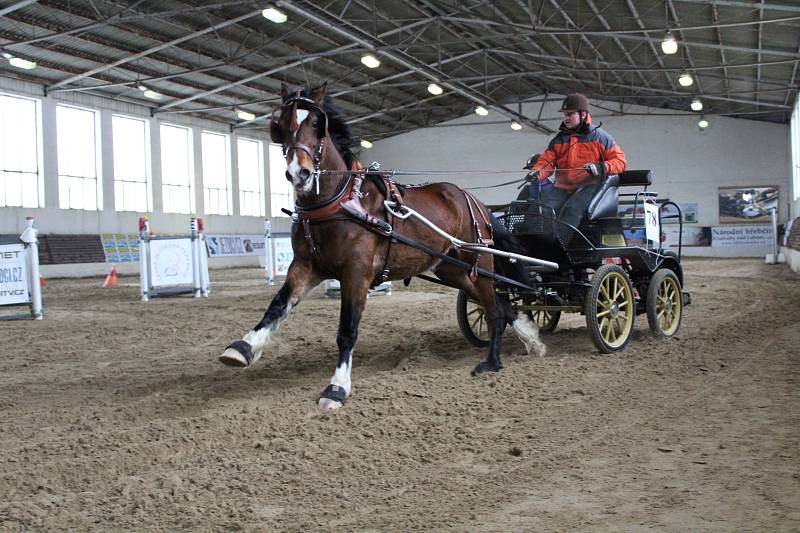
{"points": [[238, 353], [485, 366]]}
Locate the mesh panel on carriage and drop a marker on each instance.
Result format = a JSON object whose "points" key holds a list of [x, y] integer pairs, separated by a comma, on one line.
{"points": [[529, 218]]}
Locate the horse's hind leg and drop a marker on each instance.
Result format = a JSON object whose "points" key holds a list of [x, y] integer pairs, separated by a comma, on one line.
{"points": [[355, 287], [495, 314], [299, 280]]}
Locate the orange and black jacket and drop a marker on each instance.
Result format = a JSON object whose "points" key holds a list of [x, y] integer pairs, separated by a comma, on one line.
{"points": [[570, 150]]}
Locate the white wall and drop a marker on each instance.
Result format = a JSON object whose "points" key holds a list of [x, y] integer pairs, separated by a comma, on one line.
{"points": [[52, 219], [688, 164]]}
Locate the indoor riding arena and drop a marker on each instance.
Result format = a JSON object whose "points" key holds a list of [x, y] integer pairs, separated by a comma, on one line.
{"points": [[428, 265]]}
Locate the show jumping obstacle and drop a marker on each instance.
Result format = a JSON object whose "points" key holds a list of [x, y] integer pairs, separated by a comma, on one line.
{"points": [[170, 265]]}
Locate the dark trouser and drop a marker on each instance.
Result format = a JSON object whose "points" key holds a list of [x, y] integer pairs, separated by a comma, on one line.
{"points": [[569, 206]]}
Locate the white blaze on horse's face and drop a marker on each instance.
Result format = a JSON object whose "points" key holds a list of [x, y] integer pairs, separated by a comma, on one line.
{"points": [[293, 166]]}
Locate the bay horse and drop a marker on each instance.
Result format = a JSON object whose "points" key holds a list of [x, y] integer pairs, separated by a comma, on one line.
{"points": [[340, 232]]}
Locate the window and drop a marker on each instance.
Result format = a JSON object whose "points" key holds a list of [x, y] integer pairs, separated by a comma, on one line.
{"points": [[20, 182], [177, 169], [281, 193], [216, 173], [132, 186], [78, 159], [251, 178]]}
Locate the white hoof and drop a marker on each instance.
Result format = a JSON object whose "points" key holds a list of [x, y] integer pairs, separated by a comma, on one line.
{"points": [[528, 333], [232, 357], [328, 404]]}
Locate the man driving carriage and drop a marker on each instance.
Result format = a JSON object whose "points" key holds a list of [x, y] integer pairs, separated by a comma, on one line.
{"points": [[576, 162]]}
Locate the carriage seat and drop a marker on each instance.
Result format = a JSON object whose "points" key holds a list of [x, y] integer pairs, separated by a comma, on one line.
{"points": [[605, 203]]}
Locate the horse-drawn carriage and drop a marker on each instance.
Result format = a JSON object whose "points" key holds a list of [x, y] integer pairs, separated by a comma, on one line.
{"points": [[600, 274], [358, 226]]}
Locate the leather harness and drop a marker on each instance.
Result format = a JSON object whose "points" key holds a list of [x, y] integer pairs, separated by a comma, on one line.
{"points": [[345, 204]]}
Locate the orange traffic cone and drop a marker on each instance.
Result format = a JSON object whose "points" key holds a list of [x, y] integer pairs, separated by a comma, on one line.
{"points": [[111, 279], [42, 282]]}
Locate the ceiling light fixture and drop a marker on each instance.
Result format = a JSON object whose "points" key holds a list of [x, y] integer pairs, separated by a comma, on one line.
{"points": [[702, 123], [365, 143], [685, 79], [245, 115], [435, 89], [669, 45], [696, 105], [482, 111], [153, 95], [516, 126], [22, 63], [370, 61], [272, 14]]}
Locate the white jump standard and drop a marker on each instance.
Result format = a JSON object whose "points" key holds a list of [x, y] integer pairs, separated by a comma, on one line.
{"points": [[170, 266]]}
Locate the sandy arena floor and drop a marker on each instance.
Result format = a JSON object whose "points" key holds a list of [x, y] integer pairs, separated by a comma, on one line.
{"points": [[115, 415]]}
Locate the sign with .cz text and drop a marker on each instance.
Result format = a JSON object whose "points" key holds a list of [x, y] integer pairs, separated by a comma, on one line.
{"points": [[13, 274]]}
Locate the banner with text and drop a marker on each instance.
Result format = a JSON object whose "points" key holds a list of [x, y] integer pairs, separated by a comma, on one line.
{"points": [[13, 274], [742, 236], [235, 245]]}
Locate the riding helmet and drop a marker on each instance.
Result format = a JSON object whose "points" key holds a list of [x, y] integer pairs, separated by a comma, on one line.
{"points": [[575, 102]]}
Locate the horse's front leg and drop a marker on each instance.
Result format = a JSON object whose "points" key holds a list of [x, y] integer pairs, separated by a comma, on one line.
{"points": [[299, 280], [354, 296]]}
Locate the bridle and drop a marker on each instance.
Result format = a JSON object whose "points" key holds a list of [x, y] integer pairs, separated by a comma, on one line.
{"points": [[291, 104]]}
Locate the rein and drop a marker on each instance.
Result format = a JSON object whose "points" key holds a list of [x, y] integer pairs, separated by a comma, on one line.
{"points": [[392, 173]]}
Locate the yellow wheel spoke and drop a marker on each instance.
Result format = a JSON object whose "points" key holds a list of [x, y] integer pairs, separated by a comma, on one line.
{"points": [[604, 313], [478, 310]]}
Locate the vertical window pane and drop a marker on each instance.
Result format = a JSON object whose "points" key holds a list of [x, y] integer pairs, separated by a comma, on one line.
{"points": [[251, 178], [20, 180], [77, 158], [177, 169], [216, 173], [131, 163], [281, 193]]}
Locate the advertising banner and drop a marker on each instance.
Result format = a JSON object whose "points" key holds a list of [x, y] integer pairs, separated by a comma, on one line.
{"points": [[692, 236], [747, 204], [742, 236], [120, 247], [13, 274], [283, 254], [235, 245]]}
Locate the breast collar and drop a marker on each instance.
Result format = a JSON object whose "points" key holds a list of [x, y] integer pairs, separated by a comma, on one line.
{"points": [[328, 209]]}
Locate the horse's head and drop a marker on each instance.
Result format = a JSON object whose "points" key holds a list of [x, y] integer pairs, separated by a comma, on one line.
{"points": [[302, 130]]}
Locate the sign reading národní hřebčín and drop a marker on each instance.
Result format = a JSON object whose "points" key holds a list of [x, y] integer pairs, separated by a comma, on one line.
{"points": [[742, 236], [13, 274]]}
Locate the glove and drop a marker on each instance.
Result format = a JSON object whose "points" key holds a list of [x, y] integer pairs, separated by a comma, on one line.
{"points": [[597, 170], [532, 176]]}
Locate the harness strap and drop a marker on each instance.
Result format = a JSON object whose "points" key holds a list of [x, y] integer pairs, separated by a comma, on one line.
{"points": [[463, 264]]}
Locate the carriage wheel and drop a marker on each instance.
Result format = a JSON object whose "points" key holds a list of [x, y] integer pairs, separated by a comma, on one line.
{"points": [[547, 320], [664, 303], [472, 321], [610, 309]]}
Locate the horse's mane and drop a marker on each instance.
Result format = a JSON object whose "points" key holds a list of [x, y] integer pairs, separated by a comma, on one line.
{"points": [[337, 128]]}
